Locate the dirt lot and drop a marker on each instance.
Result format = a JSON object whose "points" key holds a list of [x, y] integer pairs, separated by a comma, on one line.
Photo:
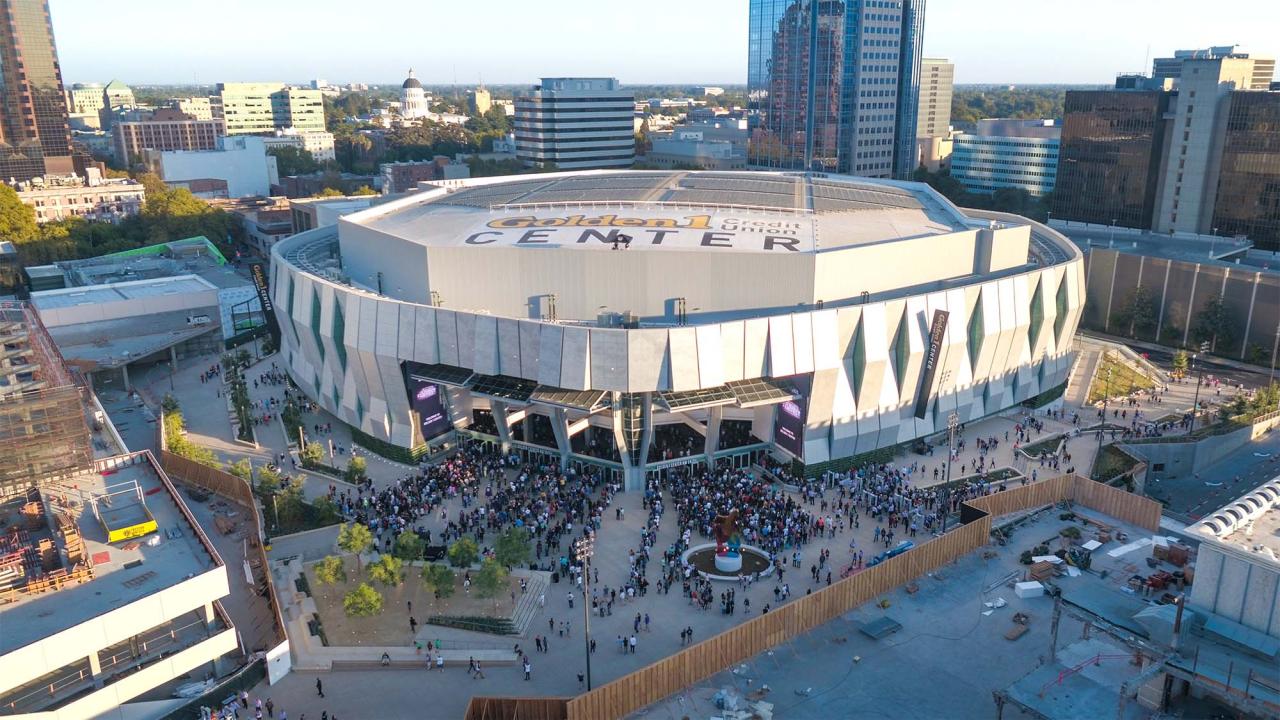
{"points": [[391, 627]]}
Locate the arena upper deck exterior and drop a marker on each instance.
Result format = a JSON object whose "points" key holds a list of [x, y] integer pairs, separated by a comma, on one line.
{"points": [[837, 315]]}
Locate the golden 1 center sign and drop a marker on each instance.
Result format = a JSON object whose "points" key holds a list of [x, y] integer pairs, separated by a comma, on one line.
{"points": [[641, 230]]}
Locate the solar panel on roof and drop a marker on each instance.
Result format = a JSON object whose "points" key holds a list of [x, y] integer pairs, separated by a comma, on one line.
{"points": [[762, 391], [443, 374], [695, 399], [503, 387], [574, 399]]}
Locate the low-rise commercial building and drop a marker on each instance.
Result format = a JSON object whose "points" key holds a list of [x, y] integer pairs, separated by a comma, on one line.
{"points": [[1007, 154], [95, 198], [318, 143], [689, 150], [402, 177], [164, 131], [242, 162]]}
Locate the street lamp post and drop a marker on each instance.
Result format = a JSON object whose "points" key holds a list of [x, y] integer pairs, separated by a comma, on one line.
{"points": [[1106, 395], [1275, 345], [953, 422], [1195, 403], [583, 549], [1112, 240]]}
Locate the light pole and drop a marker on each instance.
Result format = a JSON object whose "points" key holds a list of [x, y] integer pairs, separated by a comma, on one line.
{"points": [[953, 422], [1112, 241], [1213, 243], [583, 549], [1275, 345], [1106, 395], [1195, 403]]}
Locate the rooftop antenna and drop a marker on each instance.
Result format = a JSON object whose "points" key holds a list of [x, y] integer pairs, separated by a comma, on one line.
{"points": [[1146, 59]]}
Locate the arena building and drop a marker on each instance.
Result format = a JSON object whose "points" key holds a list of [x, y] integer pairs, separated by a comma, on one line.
{"points": [[639, 319]]}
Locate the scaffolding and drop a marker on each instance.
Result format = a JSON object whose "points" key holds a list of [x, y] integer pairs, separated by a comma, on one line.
{"points": [[43, 430]]}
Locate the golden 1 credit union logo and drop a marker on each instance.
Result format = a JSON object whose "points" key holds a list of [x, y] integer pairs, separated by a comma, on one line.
{"points": [[688, 222]]}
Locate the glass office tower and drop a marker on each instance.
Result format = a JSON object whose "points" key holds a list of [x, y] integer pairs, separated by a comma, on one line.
{"points": [[1248, 199], [832, 85], [34, 136]]}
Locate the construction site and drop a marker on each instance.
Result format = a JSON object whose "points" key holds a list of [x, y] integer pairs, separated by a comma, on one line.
{"points": [[43, 428]]}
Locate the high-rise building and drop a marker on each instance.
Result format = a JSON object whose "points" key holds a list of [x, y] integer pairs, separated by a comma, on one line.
{"points": [[576, 123], [164, 131], [933, 114], [1170, 68], [1109, 156], [1248, 192], [834, 84], [263, 108], [34, 136], [1007, 154], [1190, 174]]}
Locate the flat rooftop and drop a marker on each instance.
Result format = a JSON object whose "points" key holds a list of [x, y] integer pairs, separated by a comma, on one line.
{"points": [[192, 256], [134, 290], [125, 571], [1249, 524], [816, 213]]}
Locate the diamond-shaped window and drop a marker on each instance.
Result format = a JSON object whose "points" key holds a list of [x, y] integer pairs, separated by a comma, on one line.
{"points": [[1037, 316], [977, 332], [340, 332], [1060, 321], [315, 322], [901, 351], [859, 359]]}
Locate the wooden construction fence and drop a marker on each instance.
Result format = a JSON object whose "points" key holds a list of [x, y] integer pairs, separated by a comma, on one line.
{"points": [[531, 708]]}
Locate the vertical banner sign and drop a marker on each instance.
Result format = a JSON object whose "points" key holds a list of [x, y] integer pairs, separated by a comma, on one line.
{"points": [[789, 420], [427, 402], [932, 357], [264, 297]]}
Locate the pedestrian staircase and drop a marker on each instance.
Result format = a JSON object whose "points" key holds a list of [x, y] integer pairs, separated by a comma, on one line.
{"points": [[527, 607], [1088, 357]]}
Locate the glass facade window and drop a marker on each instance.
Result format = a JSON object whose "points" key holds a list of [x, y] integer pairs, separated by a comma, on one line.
{"points": [[1248, 198], [832, 84], [1109, 157], [33, 105]]}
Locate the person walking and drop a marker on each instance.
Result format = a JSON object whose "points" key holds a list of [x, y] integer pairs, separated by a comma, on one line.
{"points": [[527, 668], [271, 708], [319, 688], [633, 644]]}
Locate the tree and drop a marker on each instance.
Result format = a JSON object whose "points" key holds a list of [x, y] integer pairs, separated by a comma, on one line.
{"points": [[269, 480], [408, 546], [1215, 323], [326, 510], [312, 455], [330, 571], [355, 469], [329, 192], [169, 404], [512, 547], [289, 502], [17, 219], [242, 469], [491, 580], [439, 579], [355, 539], [463, 552], [1180, 363], [292, 160], [364, 190], [363, 601], [388, 570], [1138, 315]]}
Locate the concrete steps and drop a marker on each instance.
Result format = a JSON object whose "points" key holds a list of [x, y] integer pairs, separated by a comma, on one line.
{"points": [[527, 607]]}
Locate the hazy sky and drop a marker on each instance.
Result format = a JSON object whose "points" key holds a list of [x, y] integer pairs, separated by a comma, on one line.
{"points": [[677, 41]]}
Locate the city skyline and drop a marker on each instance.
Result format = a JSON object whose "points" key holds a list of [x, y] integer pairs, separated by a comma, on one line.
{"points": [[515, 43]]}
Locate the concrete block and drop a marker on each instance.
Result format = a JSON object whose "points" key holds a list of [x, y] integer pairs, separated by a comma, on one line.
{"points": [[1028, 589]]}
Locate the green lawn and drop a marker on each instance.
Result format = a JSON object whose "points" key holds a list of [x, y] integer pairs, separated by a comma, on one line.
{"points": [[1115, 379]]}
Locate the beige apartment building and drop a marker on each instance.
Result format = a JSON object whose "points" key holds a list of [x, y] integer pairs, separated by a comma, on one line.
{"points": [[933, 119]]}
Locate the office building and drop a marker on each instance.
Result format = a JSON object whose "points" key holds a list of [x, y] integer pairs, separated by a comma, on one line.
{"points": [[1007, 154], [92, 197], [1189, 180], [414, 101], [84, 102], [1110, 154], [241, 163], [1247, 200], [318, 143], [166, 130], [263, 108], [689, 148], [1170, 68], [479, 101], [573, 123], [402, 177], [834, 86], [34, 135], [708, 90], [117, 99], [199, 108], [933, 115], [632, 300]]}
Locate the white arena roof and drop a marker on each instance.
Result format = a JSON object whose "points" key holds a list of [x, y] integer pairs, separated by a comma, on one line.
{"points": [[681, 211]]}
